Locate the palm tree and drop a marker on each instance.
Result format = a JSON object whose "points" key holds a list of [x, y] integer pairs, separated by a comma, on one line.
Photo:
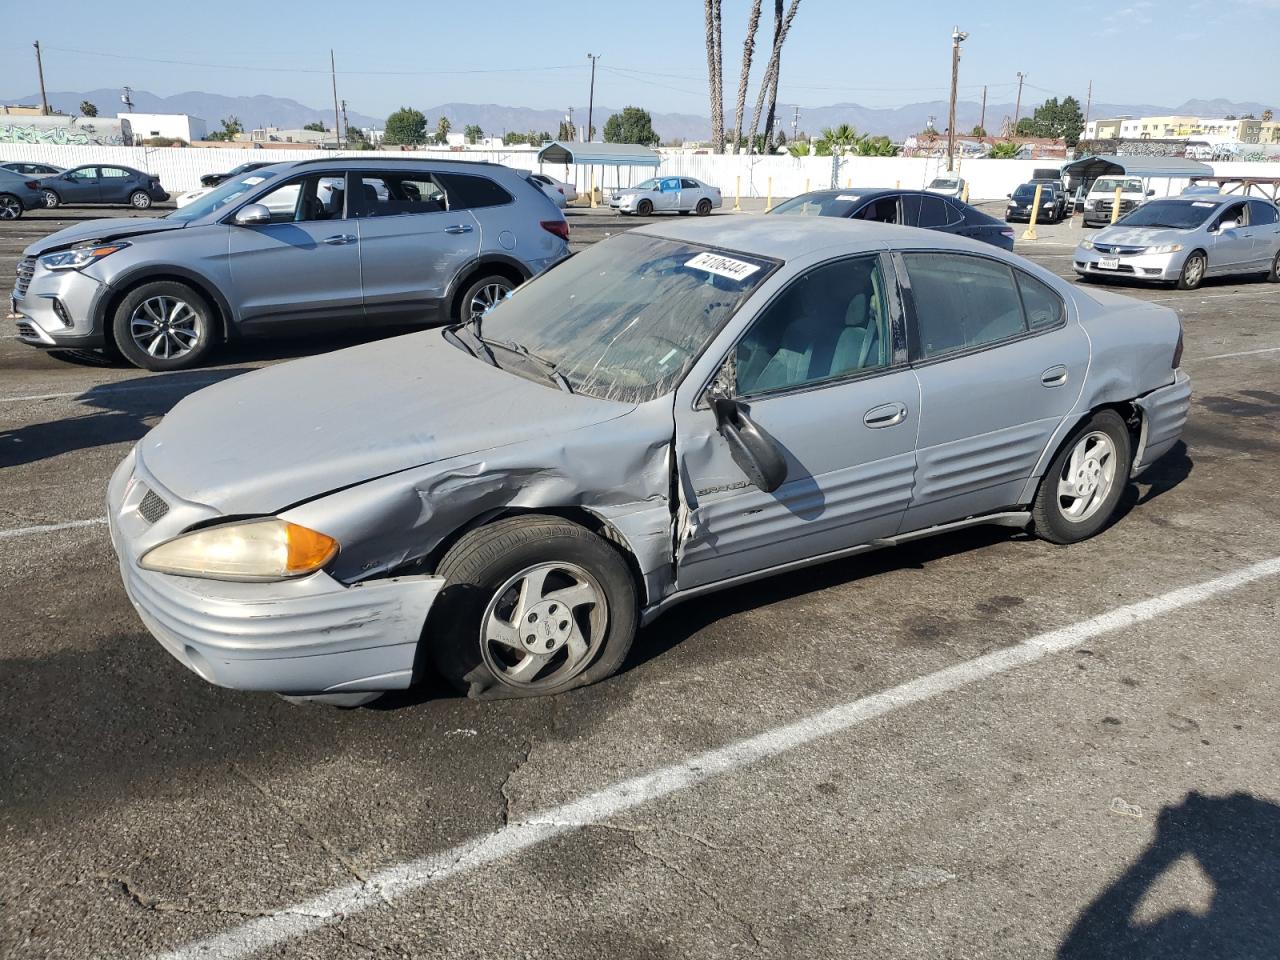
{"points": [[868, 146], [771, 71], [1005, 150], [87, 109], [442, 130], [841, 139], [715, 74], [773, 87], [748, 48]]}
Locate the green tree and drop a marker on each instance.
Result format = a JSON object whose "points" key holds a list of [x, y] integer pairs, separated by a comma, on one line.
{"points": [[88, 109], [567, 132], [473, 133], [868, 146], [230, 127], [443, 126], [978, 130], [1062, 120], [315, 125], [406, 126], [632, 125], [1005, 150], [840, 139], [1267, 115], [798, 148]]}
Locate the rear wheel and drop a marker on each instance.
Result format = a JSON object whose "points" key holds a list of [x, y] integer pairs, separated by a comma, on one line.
{"points": [[644, 208], [1084, 483], [140, 200], [164, 325], [1193, 271], [531, 605], [482, 296], [704, 207], [10, 207]]}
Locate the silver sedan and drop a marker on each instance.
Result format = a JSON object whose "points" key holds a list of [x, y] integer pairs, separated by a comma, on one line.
{"points": [[676, 410], [1183, 240], [666, 195]]}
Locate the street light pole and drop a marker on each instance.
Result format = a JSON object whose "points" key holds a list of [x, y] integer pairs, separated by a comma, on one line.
{"points": [[1017, 107], [958, 37], [44, 99], [591, 97]]}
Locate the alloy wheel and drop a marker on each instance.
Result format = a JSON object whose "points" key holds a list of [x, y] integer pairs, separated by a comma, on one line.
{"points": [[1087, 477], [141, 200], [544, 626], [10, 208], [486, 298], [165, 327], [50, 199], [1193, 272]]}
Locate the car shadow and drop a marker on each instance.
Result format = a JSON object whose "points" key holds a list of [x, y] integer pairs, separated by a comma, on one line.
{"points": [[1235, 841], [1158, 479], [124, 410]]}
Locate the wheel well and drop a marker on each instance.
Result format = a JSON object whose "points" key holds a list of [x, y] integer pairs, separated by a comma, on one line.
{"points": [[482, 269], [109, 310], [1128, 411]]}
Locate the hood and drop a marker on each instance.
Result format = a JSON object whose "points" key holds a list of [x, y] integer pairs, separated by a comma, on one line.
{"points": [[107, 229], [623, 191], [278, 436], [1139, 236]]}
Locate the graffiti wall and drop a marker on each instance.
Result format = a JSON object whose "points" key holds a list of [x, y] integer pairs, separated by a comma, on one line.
{"points": [[65, 131]]}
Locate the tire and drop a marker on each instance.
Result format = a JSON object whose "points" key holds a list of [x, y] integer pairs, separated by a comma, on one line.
{"points": [[10, 207], [481, 295], [704, 207], [1274, 275], [1074, 504], [140, 200], [644, 208], [51, 199], [1192, 275], [164, 325], [482, 599]]}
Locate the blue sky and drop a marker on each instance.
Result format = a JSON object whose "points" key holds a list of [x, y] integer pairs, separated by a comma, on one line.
{"points": [[518, 53]]}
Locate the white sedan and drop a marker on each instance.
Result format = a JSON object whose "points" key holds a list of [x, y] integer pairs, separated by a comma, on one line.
{"points": [[659, 194]]}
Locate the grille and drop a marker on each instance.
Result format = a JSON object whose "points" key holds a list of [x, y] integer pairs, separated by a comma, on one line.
{"points": [[1117, 249], [26, 331], [152, 507], [26, 267]]}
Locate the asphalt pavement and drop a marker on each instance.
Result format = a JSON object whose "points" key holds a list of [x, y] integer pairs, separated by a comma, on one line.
{"points": [[977, 746]]}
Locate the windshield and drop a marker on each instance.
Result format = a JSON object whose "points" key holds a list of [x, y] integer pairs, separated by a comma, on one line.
{"points": [[624, 319], [648, 184], [943, 183], [1109, 185], [1025, 192], [819, 205], [1175, 214], [228, 191]]}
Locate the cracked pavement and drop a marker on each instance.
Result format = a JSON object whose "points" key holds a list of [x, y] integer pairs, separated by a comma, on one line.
{"points": [[1090, 805]]}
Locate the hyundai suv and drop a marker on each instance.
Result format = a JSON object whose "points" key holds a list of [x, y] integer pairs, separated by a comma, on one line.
{"points": [[310, 245]]}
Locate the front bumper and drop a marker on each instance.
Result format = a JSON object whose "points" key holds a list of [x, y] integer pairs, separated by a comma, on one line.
{"points": [[313, 635], [58, 308], [1152, 267]]}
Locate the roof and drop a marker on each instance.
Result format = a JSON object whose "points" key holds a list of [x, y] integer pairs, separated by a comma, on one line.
{"points": [[1109, 163], [608, 154]]}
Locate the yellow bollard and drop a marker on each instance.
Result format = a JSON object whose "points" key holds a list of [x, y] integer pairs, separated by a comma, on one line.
{"points": [[964, 197], [1115, 207], [768, 203], [848, 183], [1030, 232], [806, 184], [593, 190], [737, 194], [898, 185]]}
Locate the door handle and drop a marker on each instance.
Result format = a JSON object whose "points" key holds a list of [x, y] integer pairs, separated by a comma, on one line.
{"points": [[1054, 376], [339, 239], [458, 228], [885, 415]]}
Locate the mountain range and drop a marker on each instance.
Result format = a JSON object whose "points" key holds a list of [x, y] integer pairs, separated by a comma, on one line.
{"points": [[895, 122]]}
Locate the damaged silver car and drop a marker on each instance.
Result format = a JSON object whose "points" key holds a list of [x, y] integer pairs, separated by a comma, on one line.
{"points": [[681, 408]]}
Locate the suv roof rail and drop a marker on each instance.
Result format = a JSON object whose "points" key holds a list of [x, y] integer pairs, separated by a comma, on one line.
{"points": [[393, 159]]}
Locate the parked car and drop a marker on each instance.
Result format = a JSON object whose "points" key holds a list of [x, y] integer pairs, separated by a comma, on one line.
{"points": [[210, 180], [308, 245], [947, 186], [666, 194], [18, 194], [1060, 188], [507, 500], [1101, 198], [1182, 240], [551, 185], [30, 169], [93, 183], [912, 208], [1023, 199]]}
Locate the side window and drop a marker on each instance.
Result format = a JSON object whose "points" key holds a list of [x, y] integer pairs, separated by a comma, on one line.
{"points": [[910, 210], [84, 173], [670, 185], [317, 197], [1043, 307], [962, 301], [1261, 212], [688, 184], [1234, 212], [933, 212], [830, 322], [467, 192], [114, 173], [955, 215], [394, 194], [882, 210]]}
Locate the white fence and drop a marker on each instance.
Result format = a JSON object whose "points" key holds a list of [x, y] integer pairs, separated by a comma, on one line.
{"points": [[179, 169]]}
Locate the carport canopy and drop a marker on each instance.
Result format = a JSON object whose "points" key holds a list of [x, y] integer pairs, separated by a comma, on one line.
{"points": [[1110, 164], [600, 154]]}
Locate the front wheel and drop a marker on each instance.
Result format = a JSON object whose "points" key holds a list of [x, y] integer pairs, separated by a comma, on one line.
{"points": [[1274, 275], [644, 208], [10, 207], [140, 200], [163, 325], [1192, 271], [51, 199], [532, 605], [1084, 483]]}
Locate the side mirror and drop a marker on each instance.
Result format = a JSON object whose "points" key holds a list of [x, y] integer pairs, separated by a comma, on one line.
{"points": [[752, 450], [1008, 196], [1151, 193], [1227, 226], [252, 215]]}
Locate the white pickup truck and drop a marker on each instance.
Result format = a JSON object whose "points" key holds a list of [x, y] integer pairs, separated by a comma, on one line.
{"points": [[1102, 197]]}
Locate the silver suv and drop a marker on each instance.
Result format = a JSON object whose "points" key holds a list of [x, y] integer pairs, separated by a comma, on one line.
{"points": [[305, 246]]}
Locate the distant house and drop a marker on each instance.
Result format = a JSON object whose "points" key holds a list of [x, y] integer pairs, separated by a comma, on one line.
{"points": [[172, 126]]}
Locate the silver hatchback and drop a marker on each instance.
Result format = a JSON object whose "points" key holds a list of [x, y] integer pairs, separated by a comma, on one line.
{"points": [[314, 245]]}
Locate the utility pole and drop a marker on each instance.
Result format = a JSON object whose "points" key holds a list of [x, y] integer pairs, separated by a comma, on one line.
{"points": [[44, 99], [337, 123], [346, 124], [982, 120], [568, 118], [1017, 108], [795, 123], [591, 97], [127, 99], [1087, 104], [958, 37]]}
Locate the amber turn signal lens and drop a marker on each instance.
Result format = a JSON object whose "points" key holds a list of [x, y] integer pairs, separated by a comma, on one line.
{"points": [[307, 550]]}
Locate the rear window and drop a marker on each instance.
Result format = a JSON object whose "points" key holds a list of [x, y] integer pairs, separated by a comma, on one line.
{"points": [[471, 192]]}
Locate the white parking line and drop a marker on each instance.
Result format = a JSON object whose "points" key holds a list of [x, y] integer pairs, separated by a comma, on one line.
{"points": [[402, 879], [50, 528], [1224, 356]]}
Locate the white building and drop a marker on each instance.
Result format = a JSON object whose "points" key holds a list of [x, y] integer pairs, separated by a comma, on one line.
{"points": [[178, 126]]}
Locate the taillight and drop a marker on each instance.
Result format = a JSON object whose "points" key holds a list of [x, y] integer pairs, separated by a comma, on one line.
{"points": [[32, 185], [559, 227], [1177, 351], [561, 189]]}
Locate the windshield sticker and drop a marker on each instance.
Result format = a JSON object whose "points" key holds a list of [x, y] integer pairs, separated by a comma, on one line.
{"points": [[1202, 203], [851, 197], [252, 181], [723, 266]]}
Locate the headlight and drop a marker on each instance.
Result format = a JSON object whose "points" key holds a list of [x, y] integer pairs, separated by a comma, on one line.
{"points": [[78, 257], [270, 549], [1164, 248], [1090, 204], [1086, 244]]}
